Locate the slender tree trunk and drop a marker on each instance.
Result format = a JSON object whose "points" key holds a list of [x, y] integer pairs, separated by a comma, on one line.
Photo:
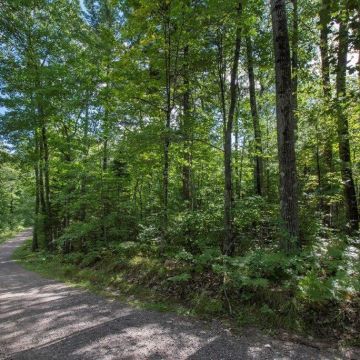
{"points": [[294, 60], [325, 16], [105, 159], [222, 75], [236, 160], [166, 145], [36, 229], [324, 48], [285, 126], [325, 72], [241, 166], [106, 139], [317, 156], [229, 240], [105, 154], [35, 241], [48, 227], [82, 213], [41, 187], [352, 212], [186, 169], [259, 167]]}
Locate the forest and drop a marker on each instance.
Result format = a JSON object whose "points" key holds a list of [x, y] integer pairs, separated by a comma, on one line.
{"points": [[206, 150]]}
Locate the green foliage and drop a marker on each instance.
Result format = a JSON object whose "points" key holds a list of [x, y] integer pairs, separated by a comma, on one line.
{"points": [[314, 289], [112, 146], [75, 258], [203, 303], [180, 278], [90, 259], [16, 195]]}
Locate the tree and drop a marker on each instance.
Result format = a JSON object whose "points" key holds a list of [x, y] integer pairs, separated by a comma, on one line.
{"points": [[259, 167], [352, 212], [228, 247], [285, 125]]}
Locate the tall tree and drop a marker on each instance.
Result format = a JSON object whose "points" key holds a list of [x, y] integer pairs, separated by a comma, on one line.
{"points": [[294, 57], [259, 168], [352, 211], [325, 17], [229, 241], [285, 125], [186, 131]]}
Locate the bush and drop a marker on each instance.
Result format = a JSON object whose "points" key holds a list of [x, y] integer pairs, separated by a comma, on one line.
{"points": [[90, 259], [73, 258], [205, 304]]}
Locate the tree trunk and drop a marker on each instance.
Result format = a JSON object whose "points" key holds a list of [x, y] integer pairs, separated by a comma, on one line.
{"points": [[36, 228], [324, 47], [48, 222], [325, 16], [229, 243], [35, 240], [256, 123], [237, 152], [285, 126], [167, 127], [43, 211], [325, 74], [106, 137], [352, 212], [294, 60], [86, 143], [186, 125]]}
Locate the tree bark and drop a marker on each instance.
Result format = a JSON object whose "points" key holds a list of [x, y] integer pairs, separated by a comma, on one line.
{"points": [[324, 47], [48, 224], [325, 16], [325, 73], [236, 157], [35, 240], [294, 59], [186, 130], [229, 241], [167, 127], [86, 143], [285, 126], [259, 168], [352, 212]]}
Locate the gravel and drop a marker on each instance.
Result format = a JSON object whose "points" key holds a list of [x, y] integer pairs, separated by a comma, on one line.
{"points": [[45, 319]]}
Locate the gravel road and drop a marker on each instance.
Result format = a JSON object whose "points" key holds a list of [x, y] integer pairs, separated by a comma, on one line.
{"points": [[45, 319]]}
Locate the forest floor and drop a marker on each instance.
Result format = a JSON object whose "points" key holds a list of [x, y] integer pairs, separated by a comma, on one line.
{"points": [[47, 319]]}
